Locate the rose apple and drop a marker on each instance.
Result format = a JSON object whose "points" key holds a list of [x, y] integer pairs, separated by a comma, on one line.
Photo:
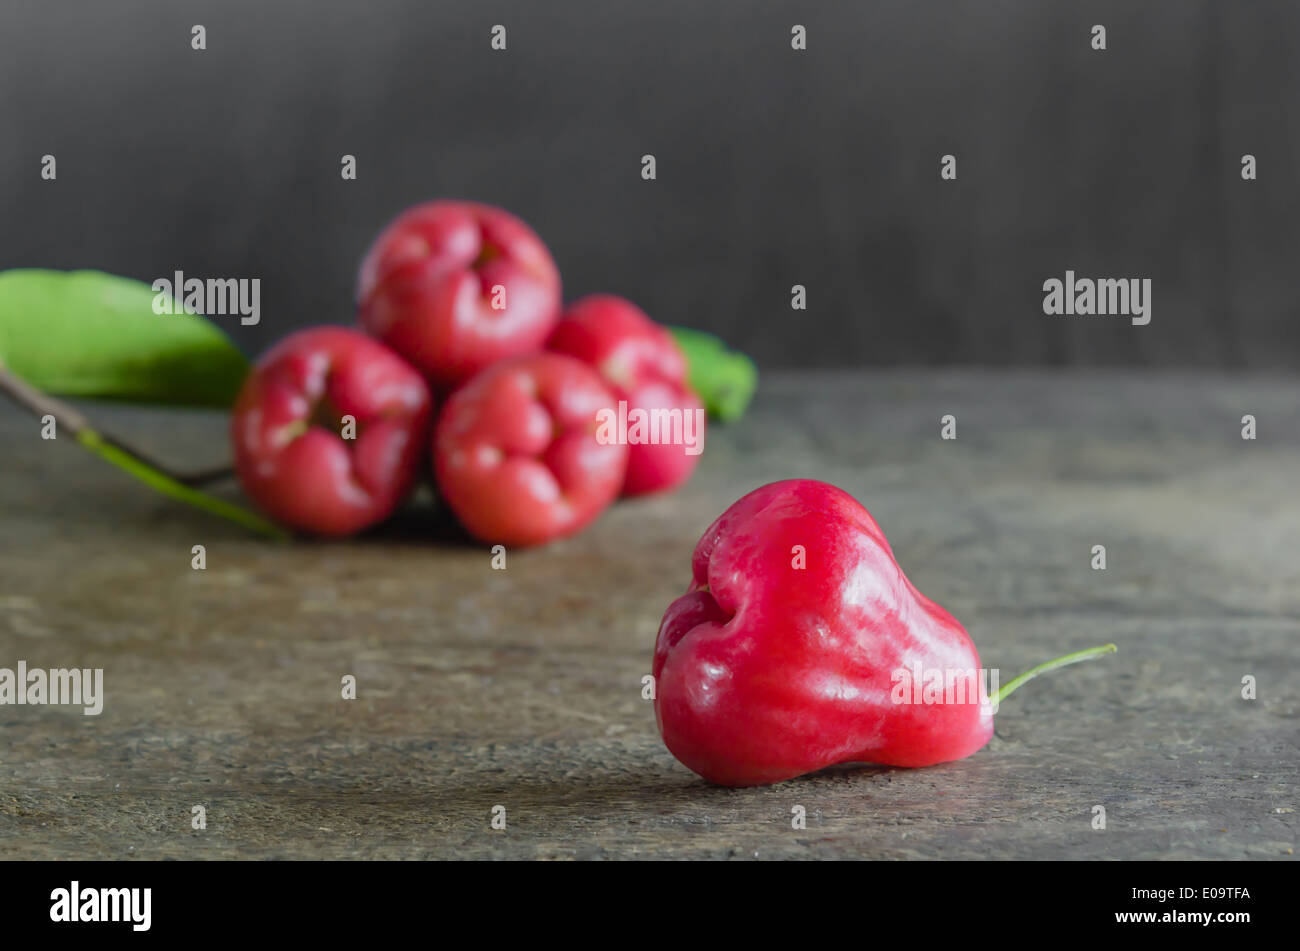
{"points": [[516, 455], [641, 361], [454, 286], [783, 656], [288, 430]]}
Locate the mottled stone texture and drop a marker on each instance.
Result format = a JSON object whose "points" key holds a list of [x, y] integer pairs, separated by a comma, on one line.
{"points": [[522, 687]]}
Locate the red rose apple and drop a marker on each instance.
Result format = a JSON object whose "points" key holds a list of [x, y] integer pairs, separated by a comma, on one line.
{"points": [[454, 286], [647, 370], [289, 433], [516, 455], [786, 653]]}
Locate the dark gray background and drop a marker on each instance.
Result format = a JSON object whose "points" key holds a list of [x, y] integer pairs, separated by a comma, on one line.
{"points": [[775, 167]]}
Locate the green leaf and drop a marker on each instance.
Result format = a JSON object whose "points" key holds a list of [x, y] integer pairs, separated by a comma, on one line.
{"points": [[724, 379], [90, 334]]}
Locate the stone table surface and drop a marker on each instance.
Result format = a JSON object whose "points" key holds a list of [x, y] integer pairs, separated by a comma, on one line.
{"points": [[522, 687]]}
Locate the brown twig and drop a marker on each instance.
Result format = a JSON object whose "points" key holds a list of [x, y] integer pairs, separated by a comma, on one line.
{"points": [[74, 421], [126, 459]]}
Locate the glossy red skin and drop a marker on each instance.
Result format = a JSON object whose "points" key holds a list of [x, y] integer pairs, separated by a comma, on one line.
{"points": [[764, 672], [308, 476], [641, 361], [515, 451], [425, 288]]}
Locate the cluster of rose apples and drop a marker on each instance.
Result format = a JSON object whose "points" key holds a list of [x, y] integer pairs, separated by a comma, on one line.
{"points": [[470, 361]]}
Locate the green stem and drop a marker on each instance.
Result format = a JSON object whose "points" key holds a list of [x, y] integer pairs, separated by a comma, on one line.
{"points": [[179, 487], [1065, 661], [176, 490]]}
